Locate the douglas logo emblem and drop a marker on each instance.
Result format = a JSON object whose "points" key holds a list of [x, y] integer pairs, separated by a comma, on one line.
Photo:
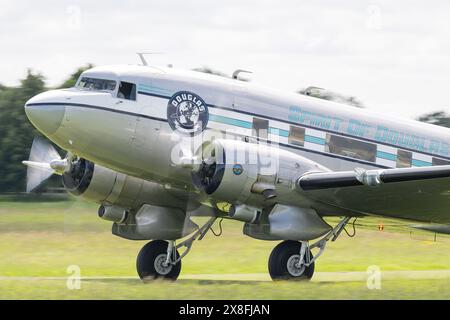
{"points": [[238, 169], [187, 113]]}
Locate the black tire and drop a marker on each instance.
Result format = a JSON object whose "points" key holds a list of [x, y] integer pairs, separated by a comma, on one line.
{"points": [[146, 266], [278, 262]]}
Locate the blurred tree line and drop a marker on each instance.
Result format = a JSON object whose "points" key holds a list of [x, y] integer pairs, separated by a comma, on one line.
{"points": [[17, 133], [331, 96], [439, 118]]}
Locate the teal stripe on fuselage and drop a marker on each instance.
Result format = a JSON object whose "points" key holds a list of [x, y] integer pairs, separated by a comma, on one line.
{"points": [[279, 132], [315, 140], [420, 163], [152, 89], [272, 130], [386, 155], [230, 121], [154, 92], [285, 133], [308, 138]]}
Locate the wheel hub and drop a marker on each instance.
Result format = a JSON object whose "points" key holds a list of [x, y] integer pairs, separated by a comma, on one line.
{"points": [[293, 266], [160, 264]]}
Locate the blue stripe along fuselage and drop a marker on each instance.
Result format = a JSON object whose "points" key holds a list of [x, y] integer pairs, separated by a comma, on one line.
{"points": [[243, 124], [89, 106], [302, 125]]}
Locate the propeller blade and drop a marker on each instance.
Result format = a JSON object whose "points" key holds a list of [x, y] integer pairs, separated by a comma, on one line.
{"points": [[38, 165], [39, 170], [36, 176], [43, 151]]}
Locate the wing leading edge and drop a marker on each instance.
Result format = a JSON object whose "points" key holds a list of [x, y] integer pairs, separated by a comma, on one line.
{"points": [[421, 194]]}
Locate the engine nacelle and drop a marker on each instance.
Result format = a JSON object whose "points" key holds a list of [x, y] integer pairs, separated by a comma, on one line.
{"points": [[289, 223], [238, 172], [96, 183], [155, 222]]}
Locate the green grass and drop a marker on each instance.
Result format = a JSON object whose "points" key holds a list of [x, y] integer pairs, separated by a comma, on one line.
{"points": [[40, 239], [189, 289]]}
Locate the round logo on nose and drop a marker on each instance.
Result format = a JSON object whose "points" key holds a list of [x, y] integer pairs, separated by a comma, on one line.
{"points": [[187, 113]]}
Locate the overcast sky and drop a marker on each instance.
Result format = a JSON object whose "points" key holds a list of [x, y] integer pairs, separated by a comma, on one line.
{"points": [[393, 55]]}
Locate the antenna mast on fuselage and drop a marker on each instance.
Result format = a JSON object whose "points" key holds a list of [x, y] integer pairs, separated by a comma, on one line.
{"points": [[142, 57]]}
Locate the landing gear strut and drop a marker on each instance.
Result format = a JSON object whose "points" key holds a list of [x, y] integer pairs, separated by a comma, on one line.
{"points": [[160, 259], [289, 260], [293, 260]]}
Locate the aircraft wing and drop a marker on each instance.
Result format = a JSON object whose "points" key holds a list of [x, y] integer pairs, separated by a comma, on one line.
{"points": [[420, 194]]}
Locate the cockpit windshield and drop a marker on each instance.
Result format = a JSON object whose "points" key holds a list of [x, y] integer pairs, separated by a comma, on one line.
{"points": [[96, 84]]}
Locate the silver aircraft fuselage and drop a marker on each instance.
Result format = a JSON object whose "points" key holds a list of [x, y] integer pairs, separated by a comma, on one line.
{"points": [[137, 137]]}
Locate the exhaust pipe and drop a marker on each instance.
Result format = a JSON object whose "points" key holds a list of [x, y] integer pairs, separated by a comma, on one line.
{"points": [[113, 213], [244, 213]]}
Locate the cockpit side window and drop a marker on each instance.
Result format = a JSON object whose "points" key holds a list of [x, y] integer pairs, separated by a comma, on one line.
{"points": [[127, 91], [96, 84]]}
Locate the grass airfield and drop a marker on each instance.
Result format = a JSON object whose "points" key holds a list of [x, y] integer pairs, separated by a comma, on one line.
{"points": [[40, 239]]}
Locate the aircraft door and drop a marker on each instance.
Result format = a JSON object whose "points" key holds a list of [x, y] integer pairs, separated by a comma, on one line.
{"points": [[146, 130], [146, 133]]}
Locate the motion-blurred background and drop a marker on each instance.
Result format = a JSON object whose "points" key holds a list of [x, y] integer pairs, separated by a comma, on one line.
{"points": [[392, 57]]}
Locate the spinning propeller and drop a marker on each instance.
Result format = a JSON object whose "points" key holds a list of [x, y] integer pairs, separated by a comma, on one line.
{"points": [[44, 161]]}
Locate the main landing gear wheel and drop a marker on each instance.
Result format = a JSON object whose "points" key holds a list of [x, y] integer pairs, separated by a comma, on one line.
{"points": [[152, 263], [284, 262]]}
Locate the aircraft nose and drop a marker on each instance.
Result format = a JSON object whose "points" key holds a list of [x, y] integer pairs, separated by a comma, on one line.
{"points": [[45, 116]]}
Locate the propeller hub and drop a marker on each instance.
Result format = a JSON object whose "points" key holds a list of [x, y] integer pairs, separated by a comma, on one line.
{"points": [[60, 165]]}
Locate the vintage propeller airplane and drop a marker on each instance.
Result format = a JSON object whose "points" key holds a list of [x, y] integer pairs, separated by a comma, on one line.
{"points": [[155, 146]]}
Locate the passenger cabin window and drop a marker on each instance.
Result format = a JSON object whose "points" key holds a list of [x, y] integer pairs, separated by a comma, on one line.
{"points": [[440, 162], [296, 136], [260, 128], [404, 159], [351, 148], [96, 84], [127, 91]]}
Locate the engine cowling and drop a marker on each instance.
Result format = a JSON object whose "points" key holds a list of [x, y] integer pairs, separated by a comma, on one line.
{"points": [[99, 184], [238, 172]]}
